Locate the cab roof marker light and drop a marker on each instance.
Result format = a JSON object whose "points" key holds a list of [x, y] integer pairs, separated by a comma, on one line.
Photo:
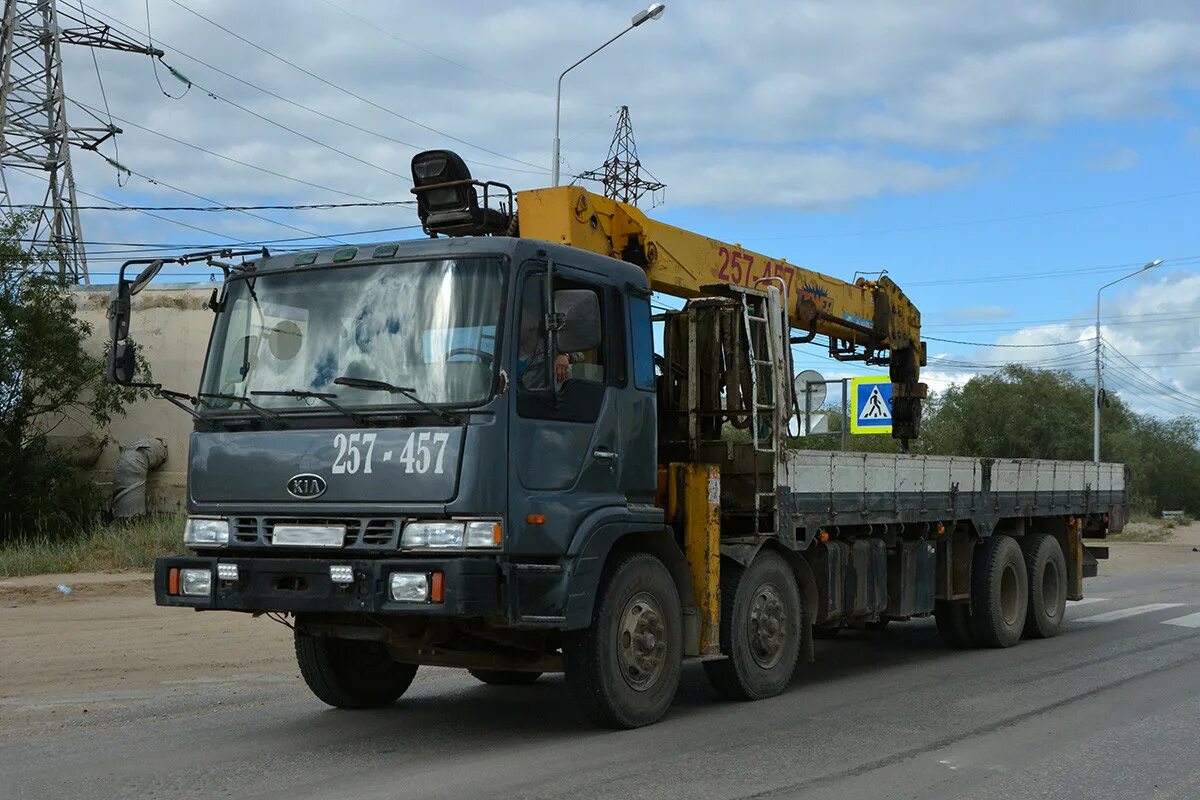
{"points": [[384, 251], [304, 259], [344, 254]]}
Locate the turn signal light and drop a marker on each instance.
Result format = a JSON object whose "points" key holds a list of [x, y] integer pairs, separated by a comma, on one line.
{"points": [[173, 581], [536, 519], [437, 587], [823, 536]]}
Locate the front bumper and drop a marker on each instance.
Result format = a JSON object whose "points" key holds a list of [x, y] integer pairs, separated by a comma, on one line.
{"points": [[472, 586]]}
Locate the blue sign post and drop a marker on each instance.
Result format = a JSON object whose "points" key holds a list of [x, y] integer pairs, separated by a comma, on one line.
{"points": [[871, 404]]}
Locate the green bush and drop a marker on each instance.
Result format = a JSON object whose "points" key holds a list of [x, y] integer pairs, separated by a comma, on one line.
{"points": [[46, 378]]}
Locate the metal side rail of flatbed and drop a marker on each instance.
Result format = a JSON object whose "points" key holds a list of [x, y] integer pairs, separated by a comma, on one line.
{"points": [[820, 489]]}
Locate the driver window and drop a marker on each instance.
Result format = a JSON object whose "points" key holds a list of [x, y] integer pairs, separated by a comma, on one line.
{"points": [[583, 365]]}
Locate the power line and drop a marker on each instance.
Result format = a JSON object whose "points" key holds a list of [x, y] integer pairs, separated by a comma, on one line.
{"points": [[346, 91], [988, 344], [293, 102], [296, 207], [1174, 390], [230, 159], [375, 26], [251, 214], [304, 136]]}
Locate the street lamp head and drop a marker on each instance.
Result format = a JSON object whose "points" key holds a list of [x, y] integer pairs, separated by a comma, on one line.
{"points": [[654, 11], [1153, 264]]}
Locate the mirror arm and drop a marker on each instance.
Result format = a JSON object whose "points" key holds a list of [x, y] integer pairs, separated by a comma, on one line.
{"points": [[171, 396], [551, 334]]}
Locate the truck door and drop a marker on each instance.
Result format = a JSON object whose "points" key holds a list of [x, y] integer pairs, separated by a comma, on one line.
{"points": [[566, 453]]}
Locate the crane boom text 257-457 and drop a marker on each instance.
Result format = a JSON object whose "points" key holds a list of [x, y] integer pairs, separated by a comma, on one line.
{"points": [[738, 266]]}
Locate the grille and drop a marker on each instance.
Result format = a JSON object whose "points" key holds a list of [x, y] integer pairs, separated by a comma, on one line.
{"points": [[361, 532]]}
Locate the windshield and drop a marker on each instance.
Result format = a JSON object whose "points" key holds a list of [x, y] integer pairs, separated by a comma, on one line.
{"points": [[428, 326]]}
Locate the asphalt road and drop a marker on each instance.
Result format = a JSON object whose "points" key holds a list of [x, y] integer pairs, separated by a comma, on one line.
{"points": [[1109, 709]]}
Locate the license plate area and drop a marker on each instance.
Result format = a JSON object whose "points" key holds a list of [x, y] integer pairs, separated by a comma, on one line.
{"points": [[308, 535]]}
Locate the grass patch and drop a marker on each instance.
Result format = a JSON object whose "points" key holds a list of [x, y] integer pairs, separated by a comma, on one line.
{"points": [[116, 546], [1143, 533]]}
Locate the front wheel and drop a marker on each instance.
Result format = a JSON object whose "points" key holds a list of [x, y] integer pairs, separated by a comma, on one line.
{"points": [[760, 629], [624, 668], [348, 673]]}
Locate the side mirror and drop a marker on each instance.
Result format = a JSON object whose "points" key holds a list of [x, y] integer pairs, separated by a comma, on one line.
{"points": [[144, 277], [121, 363], [579, 310]]}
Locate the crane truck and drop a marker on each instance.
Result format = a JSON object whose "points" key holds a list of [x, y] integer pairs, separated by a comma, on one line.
{"points": [[474, 450]]}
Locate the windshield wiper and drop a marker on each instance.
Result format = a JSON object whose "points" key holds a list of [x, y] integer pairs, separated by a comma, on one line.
{"points": [[384, 386], [325, 397], [257, 409]]}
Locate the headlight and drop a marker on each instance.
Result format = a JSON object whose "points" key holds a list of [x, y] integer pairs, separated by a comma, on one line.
{"points": [[452, 535], [195, 582], [433, 535], [205, 532], [409, 587], [484, 533]]}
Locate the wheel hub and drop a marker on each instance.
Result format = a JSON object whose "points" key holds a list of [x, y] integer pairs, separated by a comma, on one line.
{"points": [[642, 642], [768, 628]]}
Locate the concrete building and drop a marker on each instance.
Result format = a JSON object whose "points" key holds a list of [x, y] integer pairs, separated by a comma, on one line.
{"points": [[171, 325]]}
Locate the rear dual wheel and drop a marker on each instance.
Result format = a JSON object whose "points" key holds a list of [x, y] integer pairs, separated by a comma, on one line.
{"points": [[999, 592], [1047, 571], [1016, 590]]}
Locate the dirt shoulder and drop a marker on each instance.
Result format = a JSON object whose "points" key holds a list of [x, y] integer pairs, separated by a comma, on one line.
{"points": [[111, 637], [1180, 546]]}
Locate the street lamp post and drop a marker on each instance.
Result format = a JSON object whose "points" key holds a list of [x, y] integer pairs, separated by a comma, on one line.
{"points": [[654, 11], [1096, 409]]}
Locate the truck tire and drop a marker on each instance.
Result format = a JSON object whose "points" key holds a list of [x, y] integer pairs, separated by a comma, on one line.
{"points": [[954, 624], [624, 668], [760, 629], [505, 677], [999, 592], [1047, 570], [348, 673]]}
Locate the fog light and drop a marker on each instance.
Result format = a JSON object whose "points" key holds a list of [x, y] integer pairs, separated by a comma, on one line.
{"points": [[409, 587], [227, 572], [195, 582], [341, 573]]}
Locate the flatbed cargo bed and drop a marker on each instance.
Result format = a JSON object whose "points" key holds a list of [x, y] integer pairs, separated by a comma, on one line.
{"points": [[826, 489]]}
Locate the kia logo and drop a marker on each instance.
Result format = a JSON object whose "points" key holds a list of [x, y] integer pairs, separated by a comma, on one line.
{"points": [[306, 486]]}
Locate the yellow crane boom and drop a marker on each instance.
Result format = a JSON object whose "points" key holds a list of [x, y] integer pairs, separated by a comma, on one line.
{"points": [[868, 320]]}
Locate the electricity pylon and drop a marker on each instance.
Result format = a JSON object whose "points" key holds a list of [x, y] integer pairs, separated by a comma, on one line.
{"points": [[622, 171], [35, 137]]}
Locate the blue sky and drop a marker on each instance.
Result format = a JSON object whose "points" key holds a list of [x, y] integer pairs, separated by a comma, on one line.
{"points": [[948, 148]]}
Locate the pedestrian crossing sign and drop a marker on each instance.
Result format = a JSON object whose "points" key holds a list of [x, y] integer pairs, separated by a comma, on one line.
{"points": [[871, 397]]}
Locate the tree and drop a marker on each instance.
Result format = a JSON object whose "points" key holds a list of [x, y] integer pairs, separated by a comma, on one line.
{"points": [[46, 377]]}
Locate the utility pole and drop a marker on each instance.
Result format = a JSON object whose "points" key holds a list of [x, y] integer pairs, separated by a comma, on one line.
{"points": [[622, 171], [35, 137], [1099, 344]]}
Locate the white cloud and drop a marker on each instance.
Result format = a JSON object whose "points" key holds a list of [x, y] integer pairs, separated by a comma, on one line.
{"points": [[1119, 160], [798, 104]]}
